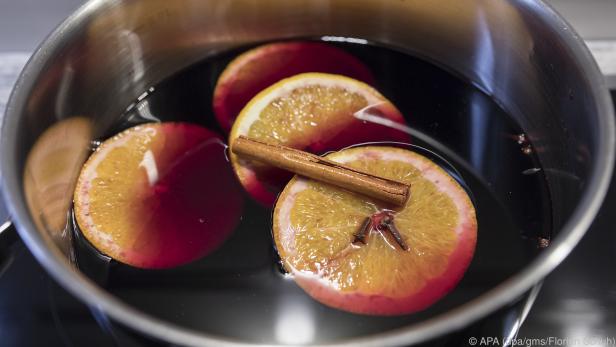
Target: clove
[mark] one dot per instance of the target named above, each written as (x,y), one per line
(388,222)
(361,235)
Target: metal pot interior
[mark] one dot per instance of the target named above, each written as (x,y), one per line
(103,58)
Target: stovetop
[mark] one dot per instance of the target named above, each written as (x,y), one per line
(577,301)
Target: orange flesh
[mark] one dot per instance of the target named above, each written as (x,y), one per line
(110,204)
(299,118)
(324,220)
(314,112)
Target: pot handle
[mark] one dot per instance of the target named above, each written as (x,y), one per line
(8,237)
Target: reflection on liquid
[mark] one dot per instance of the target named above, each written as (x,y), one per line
(344,39)
(51,172)
(478,127)
(149,165)
(145,112)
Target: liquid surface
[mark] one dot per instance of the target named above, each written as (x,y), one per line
(239,292)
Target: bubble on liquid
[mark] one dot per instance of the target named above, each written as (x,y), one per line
(521,138)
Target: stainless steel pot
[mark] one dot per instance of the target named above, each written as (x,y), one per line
(109,52)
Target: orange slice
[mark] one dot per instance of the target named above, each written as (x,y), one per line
(158,195)
(251,72)
(315,226)
(315,112)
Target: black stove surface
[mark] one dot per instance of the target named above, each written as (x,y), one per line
(35,311)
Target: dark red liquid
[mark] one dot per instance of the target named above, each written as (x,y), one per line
(238,291)
(195,205)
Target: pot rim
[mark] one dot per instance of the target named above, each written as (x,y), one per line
(83,288)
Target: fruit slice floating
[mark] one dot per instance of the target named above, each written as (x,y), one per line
(316,232)
(158,195)
(260,67)
(315,112)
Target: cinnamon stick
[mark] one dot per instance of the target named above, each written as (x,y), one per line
(321,169)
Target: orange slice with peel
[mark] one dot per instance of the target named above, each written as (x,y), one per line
(260,67)
(314,112)
(315,226)
(158,195)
